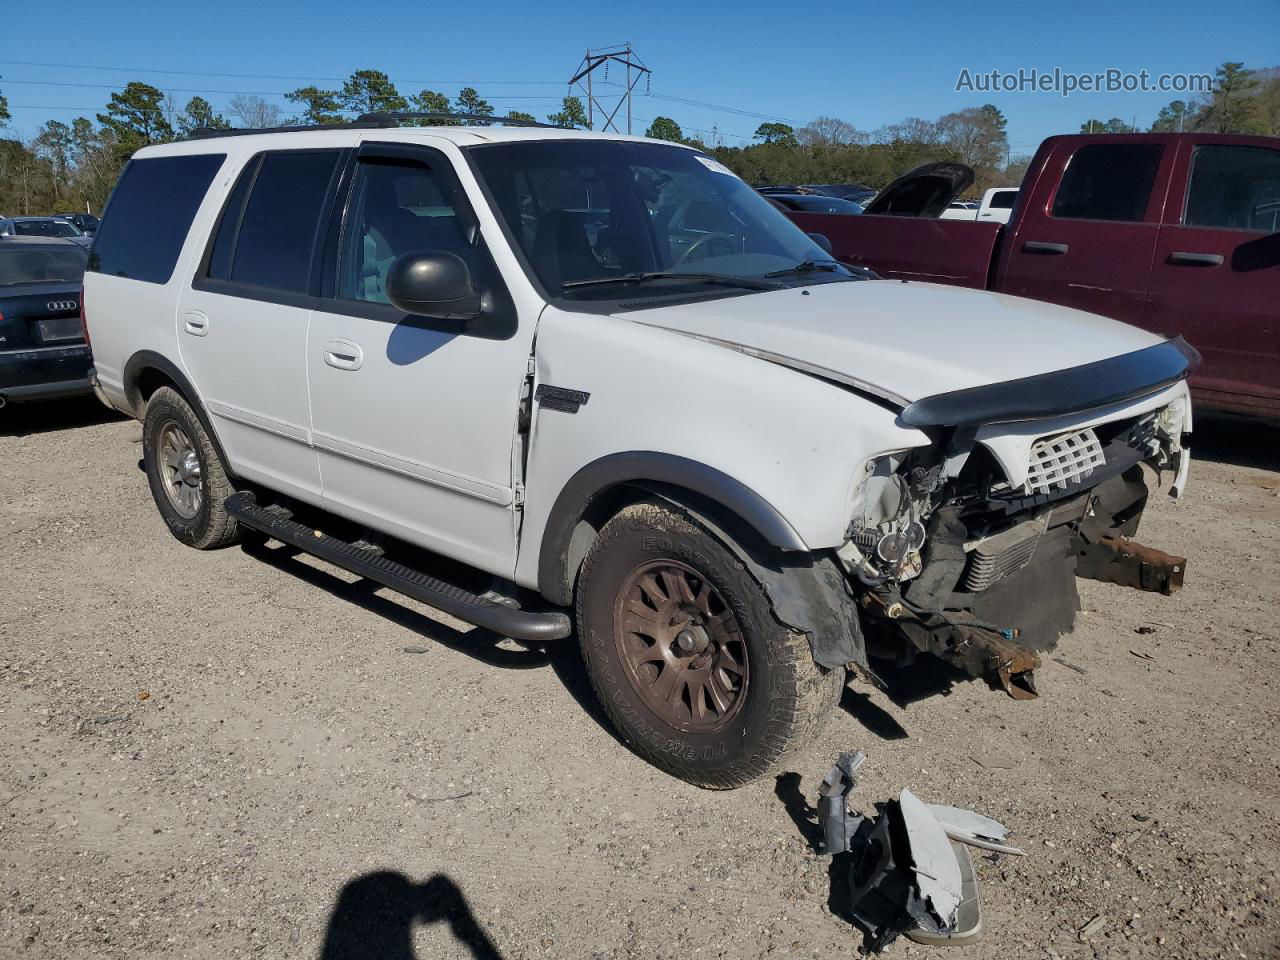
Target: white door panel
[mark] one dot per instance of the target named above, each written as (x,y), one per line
(248,359)
(419,437)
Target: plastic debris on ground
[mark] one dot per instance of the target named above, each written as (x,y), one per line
(910,872)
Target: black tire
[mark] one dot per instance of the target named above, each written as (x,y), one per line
(209,526)
(778,708)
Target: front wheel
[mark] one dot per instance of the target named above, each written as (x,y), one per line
(686,656)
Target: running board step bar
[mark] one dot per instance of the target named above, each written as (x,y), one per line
(513,622)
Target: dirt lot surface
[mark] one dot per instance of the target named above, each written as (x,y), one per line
(224,754)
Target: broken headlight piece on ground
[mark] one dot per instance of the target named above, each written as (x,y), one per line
(909,872)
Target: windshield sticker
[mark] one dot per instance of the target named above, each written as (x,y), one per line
(715,166)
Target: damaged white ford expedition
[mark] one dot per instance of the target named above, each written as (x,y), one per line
(543,379)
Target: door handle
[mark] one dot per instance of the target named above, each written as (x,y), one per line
(1196,259)
(195,323)
(1042,246)
(343,354)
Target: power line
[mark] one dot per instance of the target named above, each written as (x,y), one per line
(256,93)
(259,76)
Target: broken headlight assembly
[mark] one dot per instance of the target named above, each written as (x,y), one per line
(889,512)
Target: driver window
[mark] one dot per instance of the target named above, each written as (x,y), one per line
(395,209)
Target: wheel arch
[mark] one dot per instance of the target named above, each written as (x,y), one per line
(148,371)
(603,487)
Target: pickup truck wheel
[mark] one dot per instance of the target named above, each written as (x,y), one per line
(187,477)
(686,656)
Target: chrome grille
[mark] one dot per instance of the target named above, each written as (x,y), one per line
(1058,461)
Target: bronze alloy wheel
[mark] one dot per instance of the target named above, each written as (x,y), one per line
(682,646)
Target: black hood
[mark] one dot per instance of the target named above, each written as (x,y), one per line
(924,192)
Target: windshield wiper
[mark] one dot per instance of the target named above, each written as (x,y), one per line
(807,266)
(746,283)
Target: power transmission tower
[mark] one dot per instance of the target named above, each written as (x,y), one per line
(584,76)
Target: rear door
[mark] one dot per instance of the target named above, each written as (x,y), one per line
(1087,232)
(242,325)
(1216,278)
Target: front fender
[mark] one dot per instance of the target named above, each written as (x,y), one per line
(776,447)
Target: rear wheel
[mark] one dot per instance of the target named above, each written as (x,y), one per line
(686,656)
(187,477)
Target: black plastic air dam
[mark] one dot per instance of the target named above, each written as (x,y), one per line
(1060,392)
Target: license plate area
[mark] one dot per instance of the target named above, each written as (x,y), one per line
(58,329)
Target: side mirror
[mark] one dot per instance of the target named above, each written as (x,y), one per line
(432,283)
(821,240)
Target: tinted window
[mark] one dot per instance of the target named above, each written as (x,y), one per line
(1108,181)
(1003,200)
(277,228)
(1234,187)
(150,212)
(395,209)
(224,242)
(32,264)
(45,228)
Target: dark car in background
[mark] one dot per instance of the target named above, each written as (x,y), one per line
(813,203)
(43,227)
(87,222)
(43,352)
(857,192)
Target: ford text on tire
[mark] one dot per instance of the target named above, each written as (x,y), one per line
(607,374)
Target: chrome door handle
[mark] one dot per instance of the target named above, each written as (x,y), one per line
(195,323)
(1041,246)
(1196,259)
(343,354)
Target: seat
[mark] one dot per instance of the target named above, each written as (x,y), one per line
(561,251)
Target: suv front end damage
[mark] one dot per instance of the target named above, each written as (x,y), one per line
(968,550)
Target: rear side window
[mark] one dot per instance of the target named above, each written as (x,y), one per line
(1234,187)
(1108,181)
(150,212)
(268,229)
(1003,200)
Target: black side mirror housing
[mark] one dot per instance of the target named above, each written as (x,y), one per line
(433,283)
(821,240)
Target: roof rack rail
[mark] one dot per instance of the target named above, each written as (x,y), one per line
(204,133)
(368,121)
(392,117)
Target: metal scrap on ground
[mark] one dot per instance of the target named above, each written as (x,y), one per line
(909,873)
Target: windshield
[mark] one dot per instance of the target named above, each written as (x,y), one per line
(604,210)
(45,228)
(32,264)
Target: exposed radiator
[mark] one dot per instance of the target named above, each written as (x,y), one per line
(1005,553)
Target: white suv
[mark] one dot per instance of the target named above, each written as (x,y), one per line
(603,372)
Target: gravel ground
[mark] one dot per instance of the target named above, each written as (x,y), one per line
(228,754)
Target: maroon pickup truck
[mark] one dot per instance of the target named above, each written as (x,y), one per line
(1176,233)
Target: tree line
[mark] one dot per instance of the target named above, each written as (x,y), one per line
(72,166)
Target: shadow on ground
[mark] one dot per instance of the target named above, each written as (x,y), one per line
(489,648)
(25,419)
(375,915)
(1237,440)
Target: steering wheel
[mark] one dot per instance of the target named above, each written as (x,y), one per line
(727,238)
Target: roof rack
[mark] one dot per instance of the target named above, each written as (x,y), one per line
(390,118)
(370,121)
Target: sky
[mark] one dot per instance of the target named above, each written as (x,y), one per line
(744,63)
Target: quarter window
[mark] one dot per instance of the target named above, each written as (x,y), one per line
(268,229)
(1108,181)
(1234,187)
(150,212)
